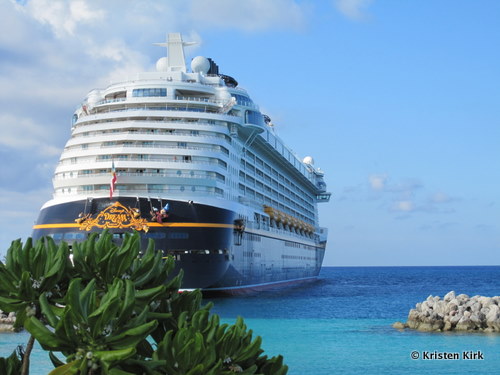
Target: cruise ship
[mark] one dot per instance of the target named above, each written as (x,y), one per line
(186,158)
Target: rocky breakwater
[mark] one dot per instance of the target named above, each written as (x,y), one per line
(455,313)
(7,322)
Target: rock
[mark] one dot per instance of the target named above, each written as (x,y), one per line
(441,308)
(413,324)
(493,312)
(485,301)
(447,326)
(455,312)
(478,322)
(465,324)
(426,306)
(455,319)
(413,314)
(449,296)
(430,325)
(7,327)
(7,322)
(399,325)
(452,307)
(476,307)
(485,310)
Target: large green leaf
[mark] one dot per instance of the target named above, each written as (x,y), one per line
(47,339)
(70,368)
(131,337)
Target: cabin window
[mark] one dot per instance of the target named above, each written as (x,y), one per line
(242,100)
(138,93)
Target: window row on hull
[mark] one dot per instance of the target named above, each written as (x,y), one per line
(140,172)
(171,94)
(142,189)
(147,120)
(117,133)
(187,107)
(143,158)
(267,182)
(278,200)
(78,150)
(269,186)
(255,166)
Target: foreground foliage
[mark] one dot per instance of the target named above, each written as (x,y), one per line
(12,365)
(111,310)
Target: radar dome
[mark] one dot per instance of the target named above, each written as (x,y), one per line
(308,160)
(223,95)
(200,64)
(93,97)
(162,64)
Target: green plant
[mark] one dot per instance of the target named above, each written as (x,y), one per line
(112,310)
(12,364)
(29,272)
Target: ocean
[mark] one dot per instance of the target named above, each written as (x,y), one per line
(341,323)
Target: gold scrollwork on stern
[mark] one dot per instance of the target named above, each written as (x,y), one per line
(116,216)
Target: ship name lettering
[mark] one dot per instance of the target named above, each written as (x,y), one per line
(114,217)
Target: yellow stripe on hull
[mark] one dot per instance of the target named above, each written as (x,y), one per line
(184,225)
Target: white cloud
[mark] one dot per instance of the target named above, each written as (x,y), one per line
(407,196)
(440,197)
(78,18)
(382,183)
(353,9)
(65,17)
(248,15)
(19,211)
(404,206)
(25,135)
(378,182)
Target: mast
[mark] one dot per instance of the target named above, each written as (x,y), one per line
(175,47)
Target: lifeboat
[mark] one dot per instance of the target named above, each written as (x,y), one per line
(286,219)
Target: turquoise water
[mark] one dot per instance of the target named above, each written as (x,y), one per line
(342,323)
(369,346)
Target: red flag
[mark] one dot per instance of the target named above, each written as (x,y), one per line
(112,183)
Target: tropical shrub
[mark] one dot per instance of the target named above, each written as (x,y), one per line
(12,365)
(111,309)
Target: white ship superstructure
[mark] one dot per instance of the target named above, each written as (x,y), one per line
(199,169)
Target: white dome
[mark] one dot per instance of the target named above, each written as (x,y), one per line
(200,64)
(162,64)
(223,95)
(308,160)
(93,97)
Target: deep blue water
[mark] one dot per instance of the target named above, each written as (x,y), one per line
(342,322)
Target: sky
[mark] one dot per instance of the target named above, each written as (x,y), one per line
(398,102)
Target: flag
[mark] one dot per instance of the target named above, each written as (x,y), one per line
(112,183)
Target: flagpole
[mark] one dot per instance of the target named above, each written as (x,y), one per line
(112,183)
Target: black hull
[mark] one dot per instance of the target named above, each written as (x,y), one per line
(203,239)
